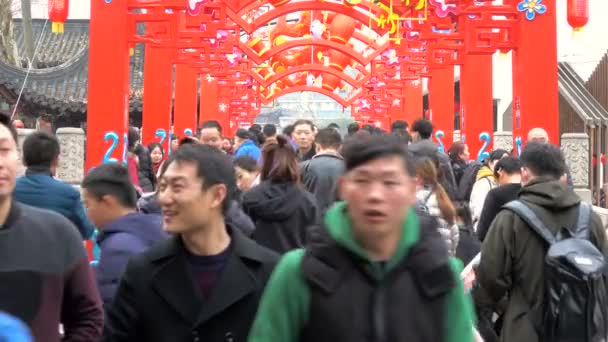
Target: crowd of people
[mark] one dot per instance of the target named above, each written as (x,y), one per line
(307,235)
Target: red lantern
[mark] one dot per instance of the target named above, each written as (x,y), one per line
(578,13)
(338,60)
(341,28)
(330,82)
(58,14)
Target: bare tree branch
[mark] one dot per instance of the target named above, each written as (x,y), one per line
(8,48)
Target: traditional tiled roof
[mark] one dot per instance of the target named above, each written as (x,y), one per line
(60,82)
(572,87)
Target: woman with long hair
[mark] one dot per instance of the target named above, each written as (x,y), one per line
(433,199)
(157,156)
(279,206)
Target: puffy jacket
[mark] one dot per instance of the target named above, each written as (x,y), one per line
(119,240)
(248,148)
(485,182)
(282,214)
(145,172)
(450,233)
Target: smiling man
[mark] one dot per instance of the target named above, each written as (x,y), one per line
(375,271)
(204,283)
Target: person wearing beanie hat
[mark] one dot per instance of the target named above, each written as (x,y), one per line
(245,146)
(13,330)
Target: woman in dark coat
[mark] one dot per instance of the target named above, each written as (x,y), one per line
(145,174)
(279,206)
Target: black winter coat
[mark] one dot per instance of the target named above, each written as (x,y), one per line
(145,172)
(282,213)
(157,300)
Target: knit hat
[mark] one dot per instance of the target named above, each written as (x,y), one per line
(13,330)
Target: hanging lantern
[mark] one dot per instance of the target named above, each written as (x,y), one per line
(58,14)
(277,3)
(341,28)
(578,14)
(258,45)
(338,60)
(330,82)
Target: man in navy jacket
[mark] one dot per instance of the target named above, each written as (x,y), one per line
(40,189)
(111,203)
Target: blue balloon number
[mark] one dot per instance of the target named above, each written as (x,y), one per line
(188,132)
(485,137)
(162,134)
(113,137)
(438,136)
(518,143)
(110,136)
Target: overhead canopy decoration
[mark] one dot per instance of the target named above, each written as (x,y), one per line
(230,57)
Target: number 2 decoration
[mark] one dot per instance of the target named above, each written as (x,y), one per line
(162,134)
(439,135)
(485,137)
(518,145)
(113,137)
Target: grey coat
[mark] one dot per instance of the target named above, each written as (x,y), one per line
(320,175)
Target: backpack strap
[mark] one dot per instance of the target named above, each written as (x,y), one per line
(584,221)
(525,213)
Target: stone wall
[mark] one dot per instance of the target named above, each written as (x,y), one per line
(71,160)
(575,147)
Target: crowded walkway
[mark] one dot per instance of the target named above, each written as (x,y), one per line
(313,236)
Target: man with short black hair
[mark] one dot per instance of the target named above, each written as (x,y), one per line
(399,128)
(423,147)
(320,174)
(372,257)
(304,137)
(205,282)
(270,131)
(111,202)
(352,128)
(513,254)
(211,134)
(45,276)
(40,189)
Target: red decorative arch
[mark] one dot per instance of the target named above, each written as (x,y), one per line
(332,95)
(345,49)
(300,6)
(312,67)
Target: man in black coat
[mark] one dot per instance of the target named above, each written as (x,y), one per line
(204,284)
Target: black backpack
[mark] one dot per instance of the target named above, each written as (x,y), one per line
(575,297)
(469,176)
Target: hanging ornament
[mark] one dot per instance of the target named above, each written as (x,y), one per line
(58,14)
(578,14)
(317,29)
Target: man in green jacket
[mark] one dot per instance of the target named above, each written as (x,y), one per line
(374,271)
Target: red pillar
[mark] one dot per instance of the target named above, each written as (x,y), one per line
(476,104)
(108,83)
(441,104)
(209,100)
(535,90)
(186,101)
(158,94)
(413,100)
